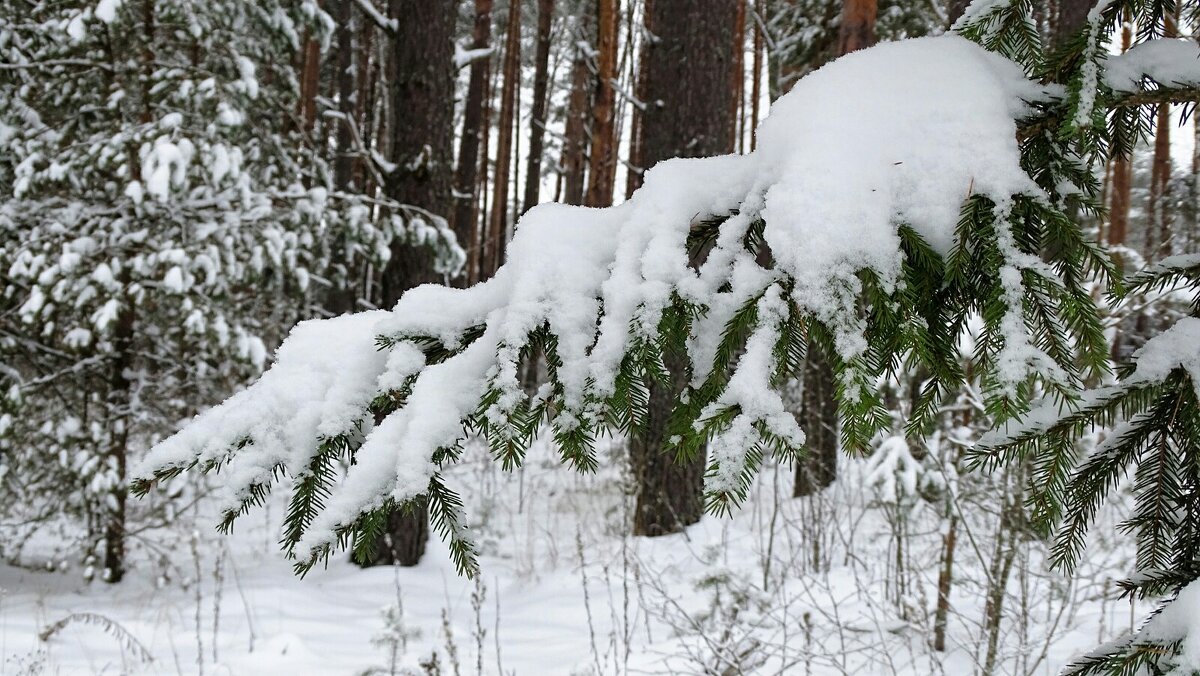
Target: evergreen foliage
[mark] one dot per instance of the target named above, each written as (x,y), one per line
(164,213)
(1018,279)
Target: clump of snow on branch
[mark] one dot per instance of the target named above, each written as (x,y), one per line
(1168,62)
(896,135)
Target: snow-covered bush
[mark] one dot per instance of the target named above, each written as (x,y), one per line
(161,218)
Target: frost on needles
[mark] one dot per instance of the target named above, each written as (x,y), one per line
(890,193)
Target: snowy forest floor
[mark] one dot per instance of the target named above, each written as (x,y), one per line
(788,586)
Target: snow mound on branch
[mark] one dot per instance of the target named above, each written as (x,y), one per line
(898,134)
(1177,347)
(323,379)
(1179,621)
(901,133)
(1167,61)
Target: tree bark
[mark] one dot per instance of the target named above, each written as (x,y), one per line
(421,136)
(737,79)
(1072,15)
(955,11)
(578,128)
(1122,181)
(857,29)
(493,246)
(116,455)
(602,164)
(945,580)
(637,164)
(537,114)
(819,418)
(341,295)
(466,194)
(1158,220)
(756,75)
(688,70)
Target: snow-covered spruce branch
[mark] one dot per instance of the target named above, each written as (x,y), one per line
(875,259)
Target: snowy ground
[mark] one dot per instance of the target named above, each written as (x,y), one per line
(787,586)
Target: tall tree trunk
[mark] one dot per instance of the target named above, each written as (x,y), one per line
(955,11)
(945,580)
(422,94)
(537,115)
(602,164)
(116,458)
(637,164)
(1158,221)
(1122,181)
(310,80)
(1072,15)
(737,79)
(577,139)
(498,219)
(756,75)
(466,193)
(341,295)
(857,29)
(688,70)
(819,416)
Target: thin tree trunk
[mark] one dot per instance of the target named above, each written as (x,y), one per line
(737,78)
(310,79)
(688,69)
(945,580)
(494,243)
(756,85)
(637,164)
(578,129)
(119,399)
(1122,181)
(603,160)
(537,114)
(466,192)
(819,418)
(1158,221)
(341,295)
(857,28)
(422,94)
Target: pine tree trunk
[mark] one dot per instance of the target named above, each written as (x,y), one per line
(341,295)
(422,94)
(737,79)
(1122,181)
(116,459)
(819,419)
(688,69)
(1158,221)
(857,28)
(633,176)
(945,580)
(576,143)
(1072,15)
(310,80)
(602,163)
(497,221)
(537,115)
(756,75)
(466,194)
(955,11)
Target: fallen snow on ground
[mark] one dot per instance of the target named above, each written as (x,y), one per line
(565,592)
